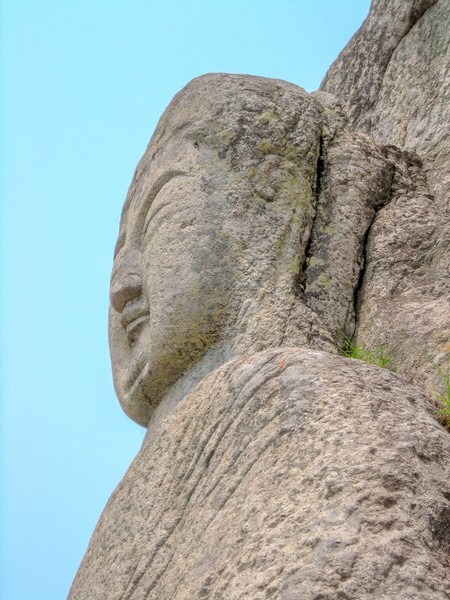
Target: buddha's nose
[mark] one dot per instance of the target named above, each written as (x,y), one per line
(126,279)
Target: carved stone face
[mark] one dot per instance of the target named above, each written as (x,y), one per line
(212,228)
(170,280)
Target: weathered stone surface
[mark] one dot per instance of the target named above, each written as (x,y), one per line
(255,198)
(392,33)
(288,474)
(403,299)
(259,208)
(263,225)
(394,80)
(227,186)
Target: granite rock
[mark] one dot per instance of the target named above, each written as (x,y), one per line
(256,198)
(262,228)
(393,79)
(289,474)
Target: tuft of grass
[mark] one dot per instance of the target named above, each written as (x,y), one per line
(443,397)
(379,355)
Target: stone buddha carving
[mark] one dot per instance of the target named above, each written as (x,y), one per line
(272,467)
(214,256)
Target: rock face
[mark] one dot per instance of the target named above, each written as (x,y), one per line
(288,474)
(394,81)
(263,227)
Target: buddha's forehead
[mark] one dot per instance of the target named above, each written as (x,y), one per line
(216,101)
(230,117)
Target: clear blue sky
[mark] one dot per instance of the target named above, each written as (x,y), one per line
(83,83)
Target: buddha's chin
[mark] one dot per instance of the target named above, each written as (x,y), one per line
(135,375)
(135,404)
(132,397)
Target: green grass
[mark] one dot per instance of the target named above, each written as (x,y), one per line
(379,355)
(443,397)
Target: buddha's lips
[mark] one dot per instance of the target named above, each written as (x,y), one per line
(133,328)
(133,317)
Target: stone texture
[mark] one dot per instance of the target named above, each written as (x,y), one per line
(242,180)
(260,209)
(288,474)
(228,185)
(393,79)
(404,301)
(262,227)
(357,76)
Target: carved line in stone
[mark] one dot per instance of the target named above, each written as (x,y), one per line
(247,396)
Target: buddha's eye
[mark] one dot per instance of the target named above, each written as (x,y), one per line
(149,208)
(151,215)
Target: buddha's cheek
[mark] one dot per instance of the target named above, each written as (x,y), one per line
(188,308)
(185,273)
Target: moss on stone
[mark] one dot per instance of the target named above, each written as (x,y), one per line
(315,261)
(323,281)
(265,146)
(184,348)
(267,117)
(328,229)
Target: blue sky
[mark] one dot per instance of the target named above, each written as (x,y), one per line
(82,86)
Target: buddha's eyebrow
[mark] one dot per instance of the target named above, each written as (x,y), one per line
(154,191)
(160,183)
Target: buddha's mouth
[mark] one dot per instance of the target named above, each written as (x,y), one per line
(133,329)
(133,317)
